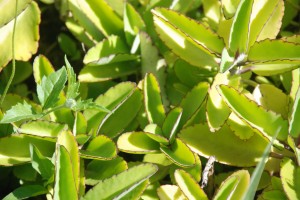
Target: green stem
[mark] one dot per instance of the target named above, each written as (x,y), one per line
(13,70)
(54,109)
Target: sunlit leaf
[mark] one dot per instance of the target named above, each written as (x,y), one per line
(26,191)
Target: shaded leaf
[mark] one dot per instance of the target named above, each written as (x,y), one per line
(25,192)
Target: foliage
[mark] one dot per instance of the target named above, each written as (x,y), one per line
(169,94)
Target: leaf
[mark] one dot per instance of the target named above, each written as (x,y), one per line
(294,127)
(65,185)
(121,184)
(153,102)
(171,123)
(41,164)
(73,85)
(84,104)
(50,87)
(179,153)
(26,32)
(137,143)
(109,46)
(176,32)
(239,33)
(26,191)
(42,128)
(296,150)
(19,112)
(107,68)
(170,192)
(229,7)
(224,145)
(101,148)
(120,117)
(14,149)
(234,186)
(240,128)
(290,176)
(189,185)
(265,121)
(98,170)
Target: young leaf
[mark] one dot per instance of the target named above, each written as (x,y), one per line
(41,164)
(153,102)
(26,191)
(121,184)
(290,176)
(65,186)
(50,87)
(234,186)
(239,33)
(266,122)
(19,112)
(73,85)
(189,186)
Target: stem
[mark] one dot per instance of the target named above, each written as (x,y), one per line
(13,70)
(54,109)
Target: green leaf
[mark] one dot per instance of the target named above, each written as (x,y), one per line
(133,23)
(290,176)
(179,153)
(266,122)
(239,33)
(40,163)
(107,68)
(137,143)
(73,85)
(153,102)
(42,128)
(98,170)
(122,115)
(181,35)
(14,149)
(170,192)
(65,184)
(41,67)
(50,87)
(109,46)
(19,112)
(229,7)
(26,32)
(294,128)
(84,104)
(171,123)
(240,128)
(25,192)
(69,46)
(189,185)
(224,145)
(296,150)
(234,186)
(101,148)
(215,103)
(121,184)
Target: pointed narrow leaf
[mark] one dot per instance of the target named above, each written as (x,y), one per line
(65,185)
(73,85)
(123,183)
(294,128)
(266,122)
(224,145)
(234,186)
(181,43)
(179,153)
(153,102)
(137,142)
(101,147)
(290,176)
(171,123)
(189,186)
(239,33)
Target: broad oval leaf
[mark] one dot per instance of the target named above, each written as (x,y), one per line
(14,149)
(153,102)
(65,185)
(100,148)
(224,145)
(181,39)
(42,128)
(290,176)
(137,142)
(26,32)
(234,186)
(179,153)
(121,184)
(266,122)
(26,191)
(189,185)
(41,67)
(240,127)
(170,192)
